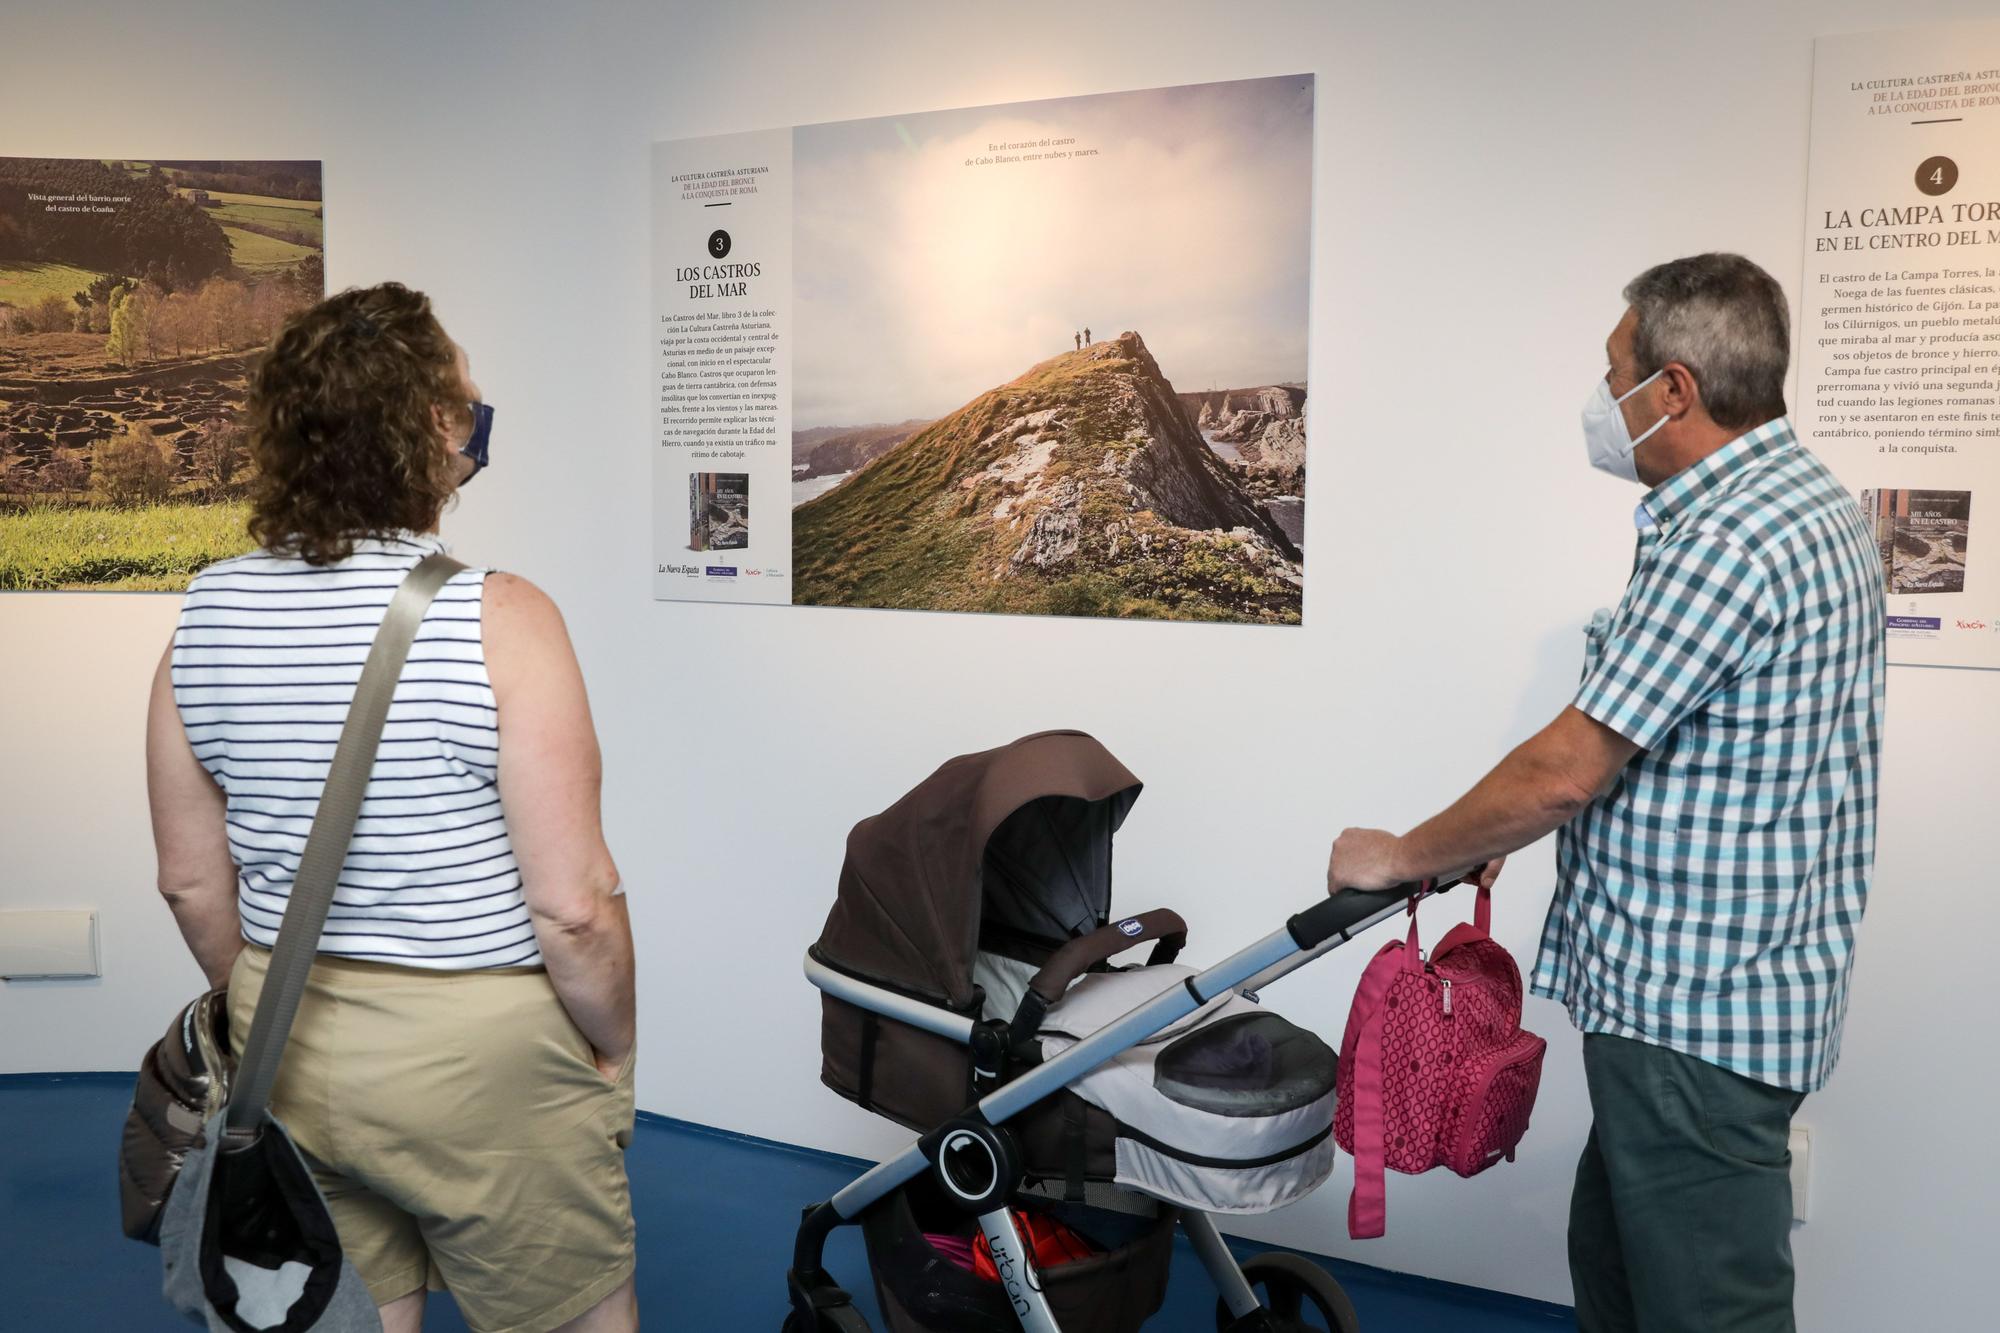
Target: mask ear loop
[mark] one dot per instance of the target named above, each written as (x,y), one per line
(1620,399)
(1640,385)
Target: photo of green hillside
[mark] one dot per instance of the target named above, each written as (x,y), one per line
(1080,488)
(968,431)
(133,297)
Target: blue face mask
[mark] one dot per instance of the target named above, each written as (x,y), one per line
(482,434)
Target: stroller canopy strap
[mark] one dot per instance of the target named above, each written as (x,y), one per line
(1019,835)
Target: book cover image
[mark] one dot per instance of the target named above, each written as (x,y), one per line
(1922,537)
(718,511)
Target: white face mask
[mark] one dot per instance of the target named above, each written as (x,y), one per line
(1605,435)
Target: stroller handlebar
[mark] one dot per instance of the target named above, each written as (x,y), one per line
(1340,911)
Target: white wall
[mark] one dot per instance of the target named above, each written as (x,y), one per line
(1489,176)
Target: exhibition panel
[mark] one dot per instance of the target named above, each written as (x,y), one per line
(887,377)
(1899,319)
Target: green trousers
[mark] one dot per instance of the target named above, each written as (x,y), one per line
(1681,1220)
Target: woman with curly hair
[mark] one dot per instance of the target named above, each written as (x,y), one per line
(460,1070)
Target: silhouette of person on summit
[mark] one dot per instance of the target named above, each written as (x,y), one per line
(1087,339)
(1079,342)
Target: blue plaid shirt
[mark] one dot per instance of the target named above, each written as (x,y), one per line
(1708,902)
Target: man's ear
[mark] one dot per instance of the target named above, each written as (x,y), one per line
(1679,392)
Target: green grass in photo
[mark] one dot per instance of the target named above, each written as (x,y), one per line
(300,220)
(25,281)
(152,547)
(252,251)
(261,200)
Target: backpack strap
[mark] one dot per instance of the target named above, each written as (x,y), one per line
(1368,1206)
(1480,927)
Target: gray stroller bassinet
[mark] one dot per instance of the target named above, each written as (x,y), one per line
(969,995)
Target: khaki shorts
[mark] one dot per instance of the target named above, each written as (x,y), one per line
(461,1132)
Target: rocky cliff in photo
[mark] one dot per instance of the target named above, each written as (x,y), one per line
(1082,487)
(829,451)
(1265,427)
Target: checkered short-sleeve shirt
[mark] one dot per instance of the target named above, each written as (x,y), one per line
(1708,902)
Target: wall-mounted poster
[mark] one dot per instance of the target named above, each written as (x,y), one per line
(133,295)
(1899,320)
(1046,358)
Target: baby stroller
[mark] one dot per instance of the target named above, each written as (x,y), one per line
(968,996)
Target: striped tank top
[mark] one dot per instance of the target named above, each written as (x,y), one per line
(265,662)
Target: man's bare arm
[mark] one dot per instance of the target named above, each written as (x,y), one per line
(1543,784)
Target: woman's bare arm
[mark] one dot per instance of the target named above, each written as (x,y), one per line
(551,775)
(197,875)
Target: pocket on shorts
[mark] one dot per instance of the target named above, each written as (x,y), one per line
(624,1103)
(563,1032)
(586,1056)
(614,1094)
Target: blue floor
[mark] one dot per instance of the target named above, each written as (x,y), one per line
(716,1214)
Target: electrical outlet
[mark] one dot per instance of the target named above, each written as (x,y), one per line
(1801,1171)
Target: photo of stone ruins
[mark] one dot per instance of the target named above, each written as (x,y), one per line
(133,298)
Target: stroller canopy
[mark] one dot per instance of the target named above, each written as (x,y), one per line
(1018,836)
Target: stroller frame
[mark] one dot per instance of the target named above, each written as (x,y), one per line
(819,1303)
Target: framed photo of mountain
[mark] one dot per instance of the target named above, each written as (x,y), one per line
(133,297)
(1043,358)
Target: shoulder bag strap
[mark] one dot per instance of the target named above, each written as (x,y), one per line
(326,847)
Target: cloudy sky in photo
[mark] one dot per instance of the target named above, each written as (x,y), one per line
(920,282)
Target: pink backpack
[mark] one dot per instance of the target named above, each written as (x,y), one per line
(1434,1069)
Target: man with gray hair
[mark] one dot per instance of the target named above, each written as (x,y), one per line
(1712,788)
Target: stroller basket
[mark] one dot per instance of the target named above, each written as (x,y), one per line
(920,1289)
(968,994)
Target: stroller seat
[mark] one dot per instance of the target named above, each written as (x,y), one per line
(1229,1110)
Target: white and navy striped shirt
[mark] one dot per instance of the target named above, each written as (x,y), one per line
(265,662)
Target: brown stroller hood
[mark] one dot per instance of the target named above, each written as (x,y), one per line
(1018,836)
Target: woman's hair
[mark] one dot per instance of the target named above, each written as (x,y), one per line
(341,425)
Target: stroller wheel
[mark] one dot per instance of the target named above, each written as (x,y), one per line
(1294,1291)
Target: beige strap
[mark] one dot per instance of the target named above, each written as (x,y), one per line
(326,846)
